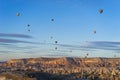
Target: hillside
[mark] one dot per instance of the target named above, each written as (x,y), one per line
(65,68)
(66,62)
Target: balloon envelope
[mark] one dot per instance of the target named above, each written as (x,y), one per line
(55,48)
(94,32)
(28,25)
(101,11)
(56,42)
(29,30)
(51,37)
(17,14)
(52,19)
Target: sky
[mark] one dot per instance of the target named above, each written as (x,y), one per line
(73,28)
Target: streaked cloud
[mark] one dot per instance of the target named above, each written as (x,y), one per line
(63,49)
(5,52)
(55,54)
(15,35)
(105,45)
(94,45)
(3,40)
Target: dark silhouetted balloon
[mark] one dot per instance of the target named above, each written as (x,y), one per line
(87,54)
(101,11)
(56,42)
(17,14)
(51,37)
(52,19)
(28,25)
(94,31)
(56,48)
(29,30)
(70,50)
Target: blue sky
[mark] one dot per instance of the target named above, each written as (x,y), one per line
(73,26)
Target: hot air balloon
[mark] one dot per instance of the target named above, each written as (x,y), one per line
(51,37)
(101,11)
(28,25)
(87,54)
(29,30)
(17,14)
(52,19)
(55,48)
(56,42)
(94,31)
(70,50)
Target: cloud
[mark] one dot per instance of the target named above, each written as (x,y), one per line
(15,35)
(2,40)
(60,50)
(5,44)
(106,45)
(94,45)
(56,54)
(5,52)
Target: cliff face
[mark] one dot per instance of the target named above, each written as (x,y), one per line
(65,61)
(100,68)
(15,61)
